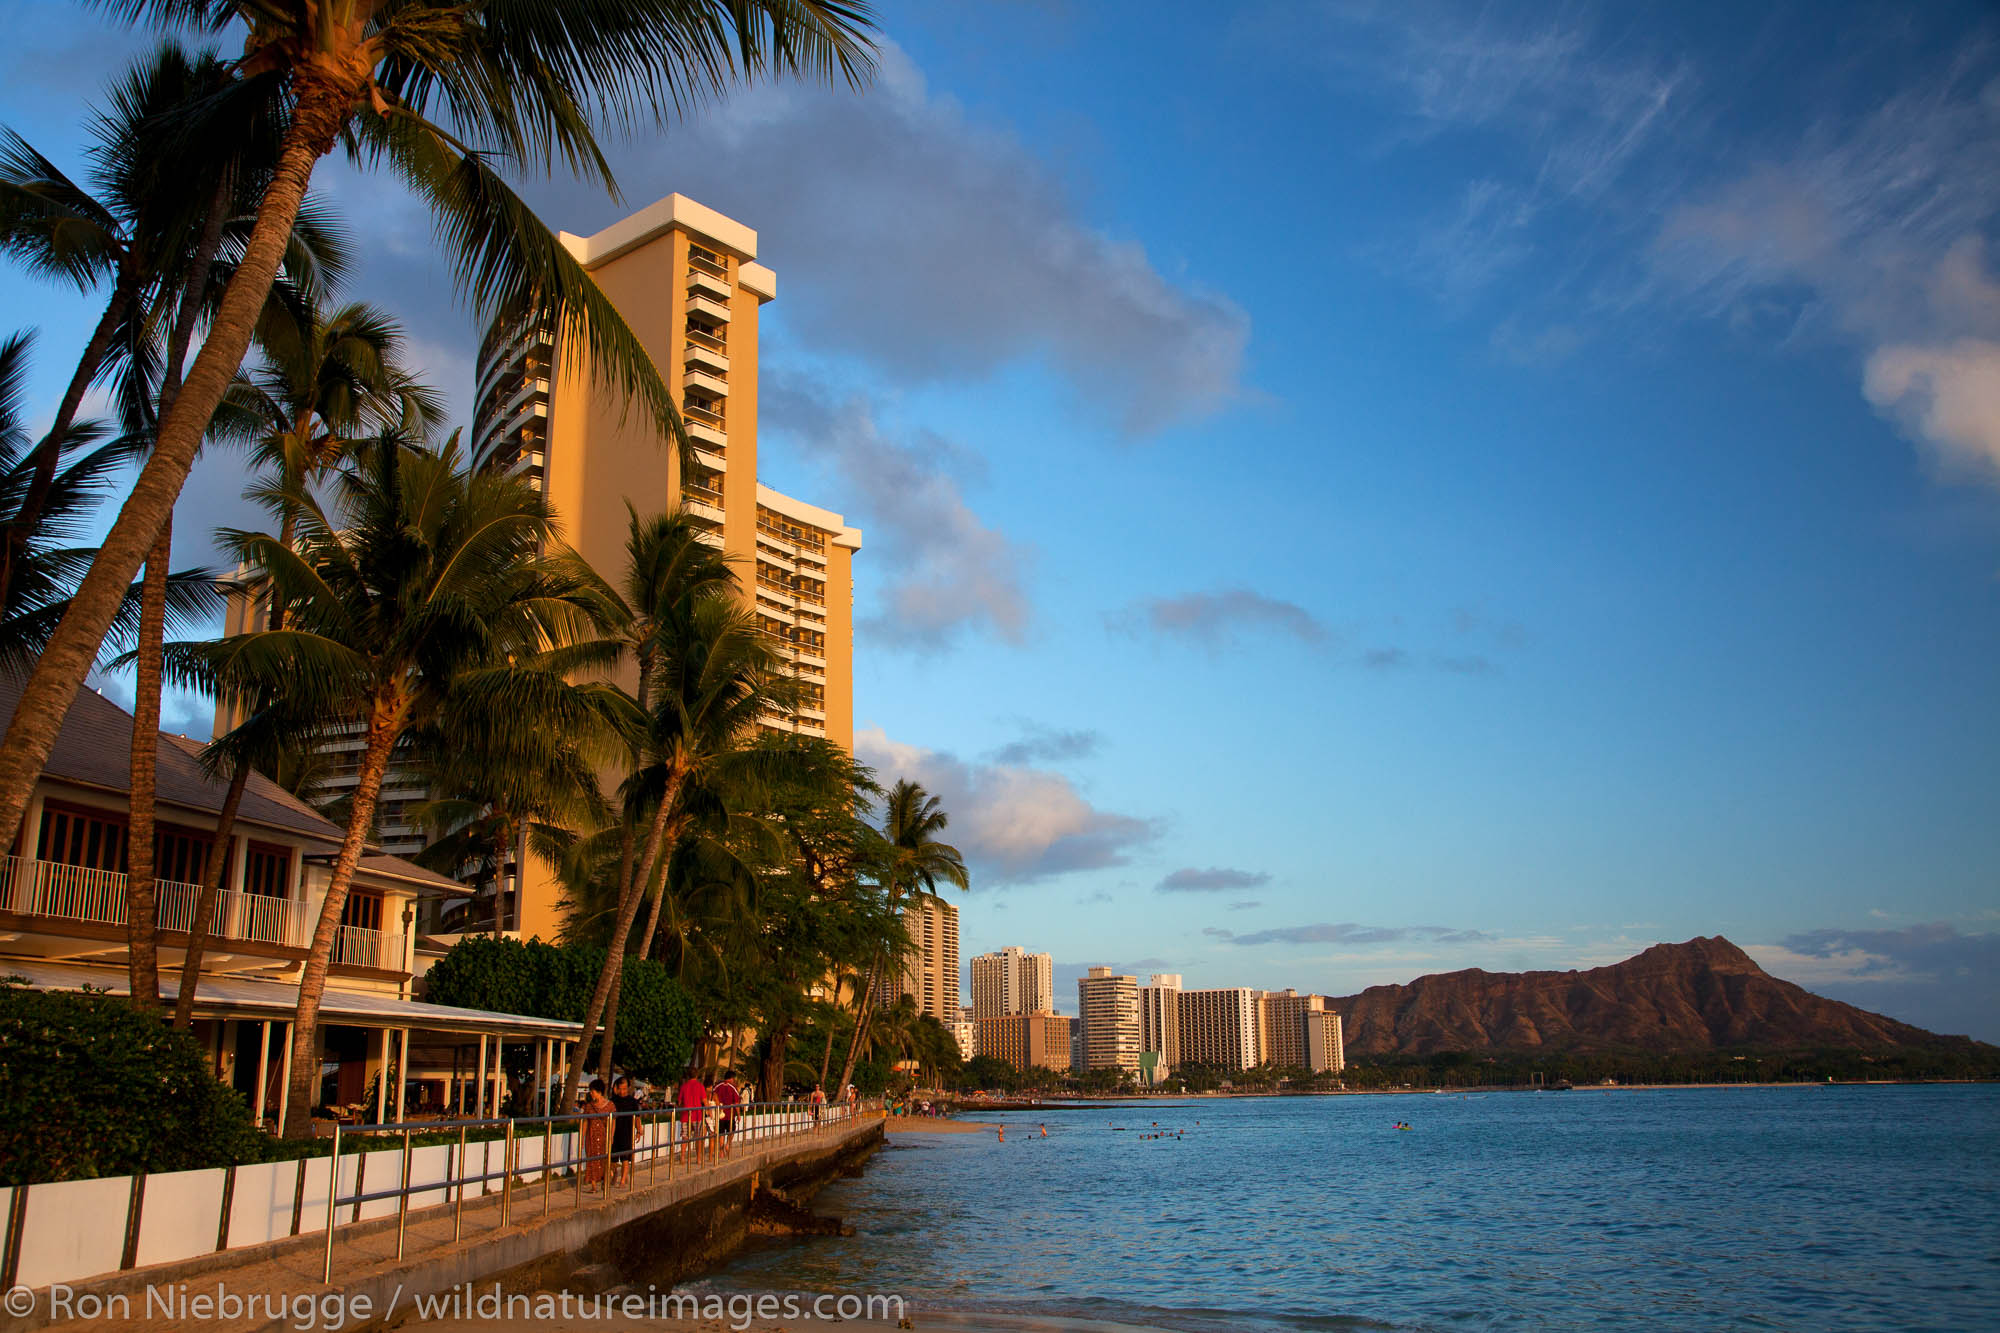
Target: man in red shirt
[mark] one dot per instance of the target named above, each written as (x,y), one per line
(693,1100)
(727,1098)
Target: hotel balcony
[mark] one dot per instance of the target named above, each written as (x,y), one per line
(707,284)
(707,383)
(697,357)
(529,462)
(702,433)
(712,462)
(702,504)
(709,307)
(87,908)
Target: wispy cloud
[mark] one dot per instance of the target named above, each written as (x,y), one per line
(1040,745)
(929,242)
(1014,823)
(1217,619)
(1215,879)
(952,571)
(1351,933)
(1932,975)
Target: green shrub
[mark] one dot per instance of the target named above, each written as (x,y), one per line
(656,1020)
(90,1086)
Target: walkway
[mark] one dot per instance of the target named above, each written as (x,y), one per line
(544,1225)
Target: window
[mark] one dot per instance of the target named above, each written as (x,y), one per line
(181,855)
(362,910)
(268,871)
(77,837)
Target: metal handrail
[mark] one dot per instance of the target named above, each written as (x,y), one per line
(694,1139)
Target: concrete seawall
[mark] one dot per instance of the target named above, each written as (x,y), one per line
(660,1232)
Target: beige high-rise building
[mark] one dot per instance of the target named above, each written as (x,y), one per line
(1026,1041)
(1108,1020)
(1012,981)
(1326,1053)
(930,970)
(1220,1027)
(1160,1018)
(1283,1021)
(687,282)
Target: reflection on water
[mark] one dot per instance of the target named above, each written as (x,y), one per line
(1822,1208)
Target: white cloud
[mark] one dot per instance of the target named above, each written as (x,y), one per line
(1947,396)
(948,570)
(934,245)
(1013,822)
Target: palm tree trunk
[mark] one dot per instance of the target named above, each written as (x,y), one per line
(629,896)
(214,871)
(49,452)
(141,887)
(867,1012)
(384,725)
(153,604)
(322,107)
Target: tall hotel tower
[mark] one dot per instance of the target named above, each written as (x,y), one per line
(686,279)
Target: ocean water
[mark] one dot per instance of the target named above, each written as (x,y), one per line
(1787,1208)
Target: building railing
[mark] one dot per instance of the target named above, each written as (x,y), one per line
(715,268)
(261,917)
(600,1154)
(357,946)
(81,893)
(703,415)
(708,340)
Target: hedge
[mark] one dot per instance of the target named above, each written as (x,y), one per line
(656,1019)
(90,1086)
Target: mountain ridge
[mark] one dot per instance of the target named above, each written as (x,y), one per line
(1702,994)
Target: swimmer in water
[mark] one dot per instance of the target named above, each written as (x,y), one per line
(1045,1131)
(1003,1134)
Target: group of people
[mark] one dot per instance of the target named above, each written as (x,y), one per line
(705,1107)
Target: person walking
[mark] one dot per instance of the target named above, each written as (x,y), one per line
(596,1110)
(693,1101)
(624,1128)
(816,1101)
(727,1097)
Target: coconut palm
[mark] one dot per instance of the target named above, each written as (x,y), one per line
(323,380)
(153,232)
(916,863)
(415,590)
(527,81)
(714,675)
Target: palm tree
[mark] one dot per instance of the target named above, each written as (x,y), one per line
(917,863)
(530,81)
(501,785)
(45,569)
(131,234)
(323,380)
(419,588)
(714,675)
(154,230)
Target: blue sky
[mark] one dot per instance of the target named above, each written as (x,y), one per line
(1354,491)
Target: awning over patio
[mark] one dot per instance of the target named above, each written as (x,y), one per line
(246,998)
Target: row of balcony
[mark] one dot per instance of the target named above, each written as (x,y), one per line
(50,889)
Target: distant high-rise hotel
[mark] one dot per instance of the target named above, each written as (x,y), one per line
(1160,1019)
(687,282)
(1026,1041)
(1012,981)
(929,973)
(1107,1020)
(1220,1027)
